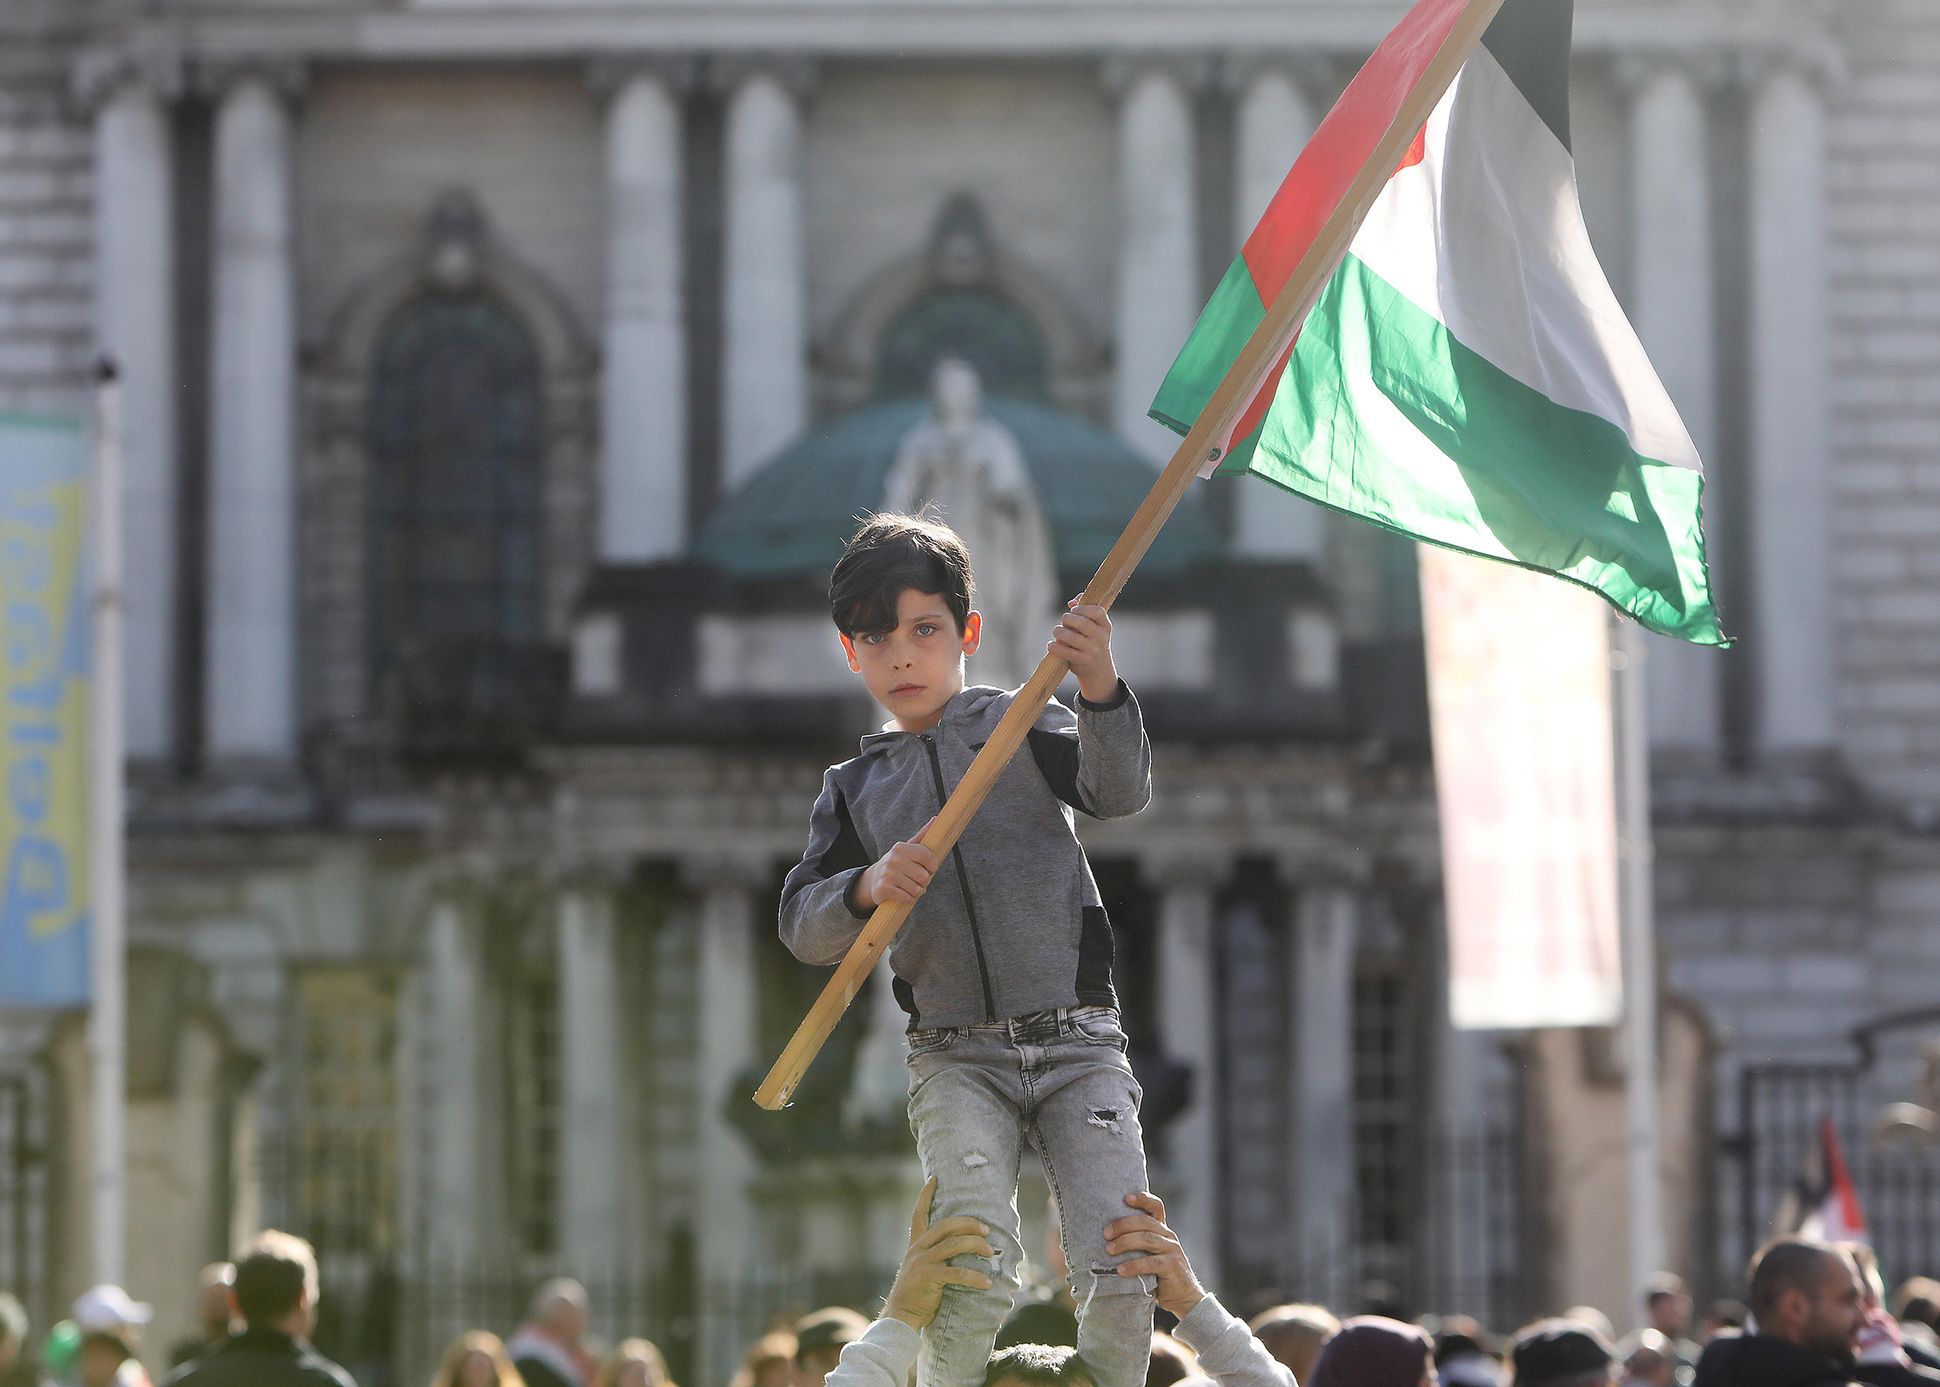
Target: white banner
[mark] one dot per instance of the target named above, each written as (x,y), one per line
(1519,700)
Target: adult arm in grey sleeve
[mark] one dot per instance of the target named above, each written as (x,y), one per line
(1230,1353)
(882,1357)
(819,920)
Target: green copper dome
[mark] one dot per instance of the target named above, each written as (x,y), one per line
(792,516)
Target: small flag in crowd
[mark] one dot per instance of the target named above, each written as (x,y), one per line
(1824,1203)
(1467,377)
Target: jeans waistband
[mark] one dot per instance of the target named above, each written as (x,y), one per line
(1038,1025)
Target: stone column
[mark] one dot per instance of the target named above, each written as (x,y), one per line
(457,1131)
(1275,119)
(1673,305)
(596,1212)
(250,678)
(1322,1141)
(1790,431)
(643,388)
(1189,1030)
(1158,259)
(134,326)
(728,984)
(765,332)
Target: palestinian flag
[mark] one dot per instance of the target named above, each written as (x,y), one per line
(1824,1202)
(1467,377)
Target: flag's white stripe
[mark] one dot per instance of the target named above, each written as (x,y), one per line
(1487,235)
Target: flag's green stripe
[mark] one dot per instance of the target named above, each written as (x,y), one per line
(1384,415)
(1228,320)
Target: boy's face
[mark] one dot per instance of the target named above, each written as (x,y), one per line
(918,667)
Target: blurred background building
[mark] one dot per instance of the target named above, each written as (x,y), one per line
(501,379)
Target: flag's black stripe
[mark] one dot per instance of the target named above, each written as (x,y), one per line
(1530,40)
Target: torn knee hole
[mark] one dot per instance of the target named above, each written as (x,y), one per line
(1107,1118)
(975,1160)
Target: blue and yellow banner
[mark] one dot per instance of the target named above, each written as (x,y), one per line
(44,905)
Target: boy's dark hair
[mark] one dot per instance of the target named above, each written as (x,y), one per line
(890,554)
(1038,1322)
(272,1275)
(1046,1365)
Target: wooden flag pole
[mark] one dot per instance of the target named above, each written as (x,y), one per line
(1204,444)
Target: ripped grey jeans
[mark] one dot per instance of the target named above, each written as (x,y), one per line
(1059,1081)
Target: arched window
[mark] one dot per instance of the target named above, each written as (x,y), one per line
(989,332)
(455,521)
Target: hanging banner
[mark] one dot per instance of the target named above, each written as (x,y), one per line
(44,908)
(1519,701)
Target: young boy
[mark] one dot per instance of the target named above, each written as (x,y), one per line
(1004,963)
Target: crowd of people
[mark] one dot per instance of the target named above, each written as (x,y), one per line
(1816,1314)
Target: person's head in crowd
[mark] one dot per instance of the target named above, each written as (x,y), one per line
(635,1363)
(276,1284)
(560,1307)
(769,1362)
(1593,1318)
(1667,1305)
(1038,1365)
(109,1324)
(819,1339)
(1038,1322)
(1464,1355)
(476,1359)
(1563,1352)
(1380,1300)
(1375,1351)
(13,1331)
(103,1351)
(1808,1293)
(215,1301)
(1917,1301)
(109,1310)
(1723,1317)
(1916,1305)
(1172,1362)
(1649,1359)
(1295,1334)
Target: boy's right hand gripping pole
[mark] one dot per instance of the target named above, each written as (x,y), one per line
(1205,444)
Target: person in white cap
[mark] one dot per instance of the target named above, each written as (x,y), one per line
(111,1309)
(110,1322)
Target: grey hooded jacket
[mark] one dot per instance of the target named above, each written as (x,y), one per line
(1011,922)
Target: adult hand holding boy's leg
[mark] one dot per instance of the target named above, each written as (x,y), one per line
(1083,641)
(901,874)
(1163,1256)
(926,1268)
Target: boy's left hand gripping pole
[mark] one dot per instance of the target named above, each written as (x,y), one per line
(860,961)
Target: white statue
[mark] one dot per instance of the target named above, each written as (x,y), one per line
(970,469)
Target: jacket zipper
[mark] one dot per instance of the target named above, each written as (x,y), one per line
(963,883)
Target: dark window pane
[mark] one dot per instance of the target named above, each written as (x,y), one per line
(454,512)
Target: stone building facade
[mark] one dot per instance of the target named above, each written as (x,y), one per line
(473,714)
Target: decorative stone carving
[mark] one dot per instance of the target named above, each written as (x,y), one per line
(961,252)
